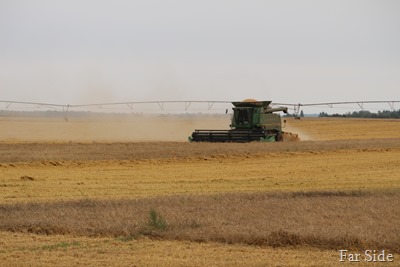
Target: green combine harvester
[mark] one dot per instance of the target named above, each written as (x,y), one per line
(251,121)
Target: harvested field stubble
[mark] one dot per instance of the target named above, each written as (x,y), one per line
(28,152)
(355,169)
(327,220)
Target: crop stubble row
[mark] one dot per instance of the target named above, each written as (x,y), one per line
(354,169)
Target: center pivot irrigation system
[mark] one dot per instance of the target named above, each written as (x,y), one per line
(186,105)
(251,120)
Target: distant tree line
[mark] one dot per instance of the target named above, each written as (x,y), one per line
(385,114)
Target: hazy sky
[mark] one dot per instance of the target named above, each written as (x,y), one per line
(286,51)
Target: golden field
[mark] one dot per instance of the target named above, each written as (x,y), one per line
(80,193)
(346,128)
(152,128)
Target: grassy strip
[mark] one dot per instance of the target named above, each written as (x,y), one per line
(322,219)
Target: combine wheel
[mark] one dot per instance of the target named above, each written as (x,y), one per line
(278,137)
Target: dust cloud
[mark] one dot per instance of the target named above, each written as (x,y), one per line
(99,127)
(127,128)
(295,130)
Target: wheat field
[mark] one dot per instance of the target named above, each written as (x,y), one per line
(85,196)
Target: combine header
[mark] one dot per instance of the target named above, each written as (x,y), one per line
(251,121)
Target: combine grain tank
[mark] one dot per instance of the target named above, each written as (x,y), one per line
(251,121)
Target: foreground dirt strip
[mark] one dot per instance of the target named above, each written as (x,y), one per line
(292,171)
(35,250)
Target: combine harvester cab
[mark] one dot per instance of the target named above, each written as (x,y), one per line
(251,121)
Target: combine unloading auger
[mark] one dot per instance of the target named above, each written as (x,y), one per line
(251,121)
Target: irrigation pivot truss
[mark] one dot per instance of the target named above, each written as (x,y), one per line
(65,108)
(160,104)
(210,104)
